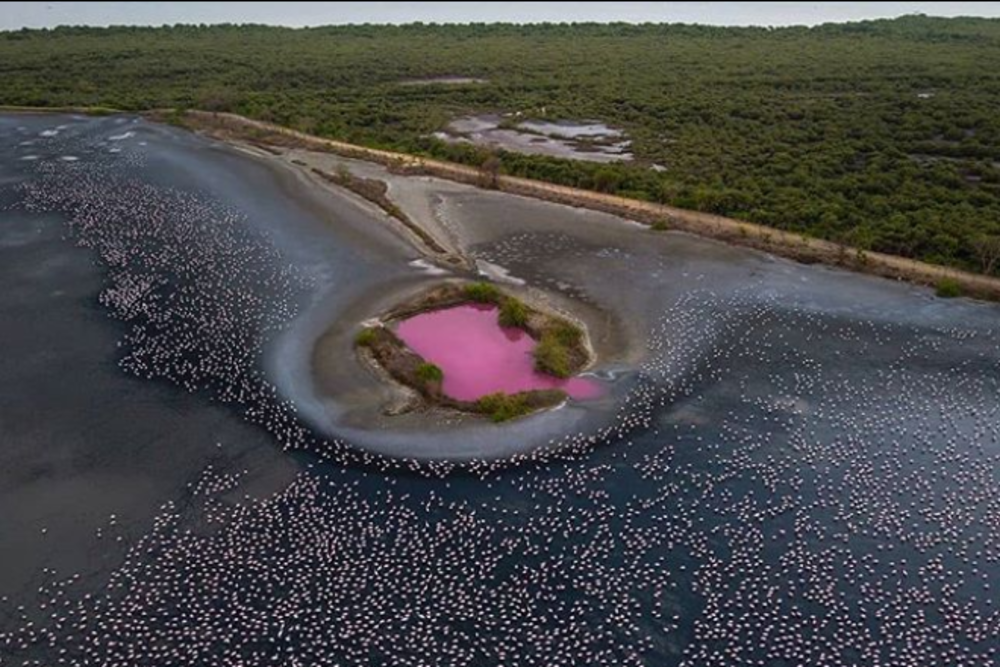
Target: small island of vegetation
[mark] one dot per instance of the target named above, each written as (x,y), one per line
(561,350)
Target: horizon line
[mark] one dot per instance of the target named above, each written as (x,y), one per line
(405,24)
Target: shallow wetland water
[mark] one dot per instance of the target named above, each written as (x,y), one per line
(791,464)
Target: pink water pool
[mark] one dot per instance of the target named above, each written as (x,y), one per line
(479,357)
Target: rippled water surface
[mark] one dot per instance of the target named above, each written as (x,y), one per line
(793,465)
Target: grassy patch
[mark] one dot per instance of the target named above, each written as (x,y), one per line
(513,313)
(501,407)
(567,334)
(365,337)
(429,373)
(483,292)
(557,348)
(660,226)
(949,288)
(552,356)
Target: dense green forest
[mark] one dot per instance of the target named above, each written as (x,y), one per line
(880,134)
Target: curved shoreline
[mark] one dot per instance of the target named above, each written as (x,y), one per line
(228,127)
(800,248)
(790,245)
(598,285)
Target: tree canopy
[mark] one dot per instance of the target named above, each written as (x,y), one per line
(881,134)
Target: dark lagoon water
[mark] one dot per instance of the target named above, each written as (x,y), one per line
(796,466)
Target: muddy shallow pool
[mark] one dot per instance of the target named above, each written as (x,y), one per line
(590,141)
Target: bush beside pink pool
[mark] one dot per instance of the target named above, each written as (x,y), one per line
(479,357)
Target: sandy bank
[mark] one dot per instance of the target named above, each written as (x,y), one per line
(236,129)
(785,244)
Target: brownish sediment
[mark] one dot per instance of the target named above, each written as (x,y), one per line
(798,247)
(87,111)
(376,192)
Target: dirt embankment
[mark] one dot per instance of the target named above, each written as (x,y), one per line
(85,111)
(377,192)
(786,244)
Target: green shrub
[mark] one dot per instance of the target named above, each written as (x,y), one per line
(501,407)
(551,356)
(513,313)
(429,373)
(175,117)
(394,211)
(365,337)
(482,292)
(948,288)
(567,334)
(660,226)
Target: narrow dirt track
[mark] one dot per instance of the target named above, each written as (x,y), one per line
(786,244)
